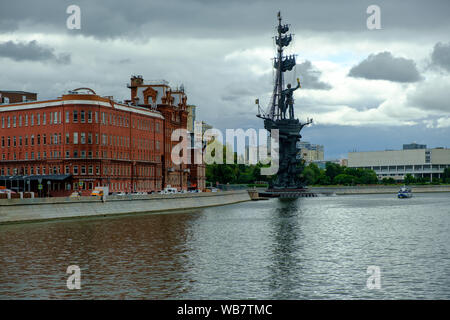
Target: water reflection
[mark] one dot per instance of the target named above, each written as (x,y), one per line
(141,256)
(286,262)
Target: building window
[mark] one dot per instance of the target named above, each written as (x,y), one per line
(67,138)
(96,117)
(67,170)
(56,117)
(75,116)
(67,116)
(26,120)
(32,119)
(9,122)
(75,153)
(67,154)
(83,170)
(83,154)
(83,138)
(38,119)
(89,138)
(14,121)
(75,138)
(89,116)
(90,170)
(20,120)
(75,170)
(44,118)
(82,118)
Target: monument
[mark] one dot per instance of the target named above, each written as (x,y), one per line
(280,115)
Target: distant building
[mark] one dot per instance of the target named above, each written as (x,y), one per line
(396,164)
(414,146)
(309,152)
(7,97)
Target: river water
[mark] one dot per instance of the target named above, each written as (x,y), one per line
(309,248)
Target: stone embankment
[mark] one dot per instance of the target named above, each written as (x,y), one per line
(41,209)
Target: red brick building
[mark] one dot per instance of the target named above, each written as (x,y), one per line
(80,141)
(172,105)
(16,96)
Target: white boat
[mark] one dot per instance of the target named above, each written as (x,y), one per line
(404,192)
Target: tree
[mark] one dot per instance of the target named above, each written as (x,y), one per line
(344,179)
(332,170)
(311,174)
(409,179)
(388,181)
(446,175)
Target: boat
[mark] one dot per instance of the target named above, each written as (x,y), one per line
(404,192)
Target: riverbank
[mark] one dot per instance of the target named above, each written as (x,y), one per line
(343,190)
(41,209)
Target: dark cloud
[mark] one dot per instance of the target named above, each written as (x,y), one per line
(384,66)
(431,96)
(220,18)
(309,77)
(441,55)
(31,51)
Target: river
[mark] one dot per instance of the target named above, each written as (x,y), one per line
(309,248)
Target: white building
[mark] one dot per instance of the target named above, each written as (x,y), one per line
(396,164)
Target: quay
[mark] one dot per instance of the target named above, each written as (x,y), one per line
(343,190)
(42,209)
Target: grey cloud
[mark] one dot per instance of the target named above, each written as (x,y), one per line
(441,55)
(432,95)
(310,77)
(221,18)
(31,51)
(384,66)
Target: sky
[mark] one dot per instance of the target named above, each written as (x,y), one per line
(366,89)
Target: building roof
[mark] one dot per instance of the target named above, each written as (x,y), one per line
(20,92)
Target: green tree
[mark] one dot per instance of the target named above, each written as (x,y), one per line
(388,180)
(311,174)
(446,175)
(344,179)
(409,179)
(332,170)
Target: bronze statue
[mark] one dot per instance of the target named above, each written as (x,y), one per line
(288,96)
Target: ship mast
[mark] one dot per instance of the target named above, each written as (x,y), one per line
(281,64)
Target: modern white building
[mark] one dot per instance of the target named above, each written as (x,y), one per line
(396,164)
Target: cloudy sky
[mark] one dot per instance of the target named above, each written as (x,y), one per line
(365,89)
